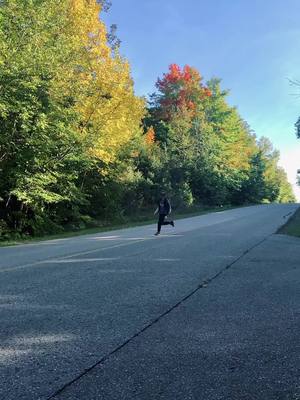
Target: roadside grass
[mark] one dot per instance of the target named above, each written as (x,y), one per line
(144,218)
(292,226)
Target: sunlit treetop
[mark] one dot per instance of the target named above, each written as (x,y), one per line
(181,89)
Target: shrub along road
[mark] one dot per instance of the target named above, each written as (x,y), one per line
(208,310)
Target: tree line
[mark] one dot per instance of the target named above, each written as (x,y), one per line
(77,144)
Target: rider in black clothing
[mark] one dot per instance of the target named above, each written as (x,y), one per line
(163,209)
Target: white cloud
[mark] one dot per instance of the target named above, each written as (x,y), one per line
(290,161)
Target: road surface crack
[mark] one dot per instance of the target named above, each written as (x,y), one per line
(202,285)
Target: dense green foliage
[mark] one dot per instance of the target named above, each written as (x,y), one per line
(211,156)
(76,144)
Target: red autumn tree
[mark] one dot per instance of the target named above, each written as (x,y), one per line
(150,136)
(180,90)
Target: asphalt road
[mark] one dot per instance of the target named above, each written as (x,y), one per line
(208,310)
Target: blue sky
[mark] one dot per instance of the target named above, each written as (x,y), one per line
(252,45)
